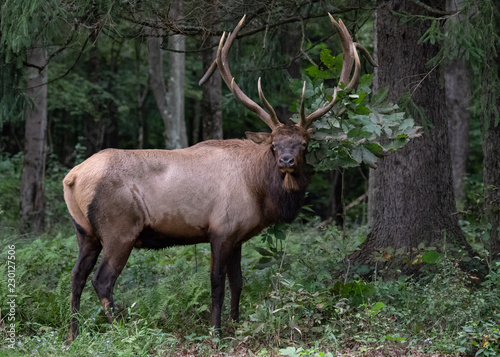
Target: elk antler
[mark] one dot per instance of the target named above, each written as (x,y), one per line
(270,117)
(350,58)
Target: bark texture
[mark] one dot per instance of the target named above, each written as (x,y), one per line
(94,128)
(491,177)
(458,94)
(411,197)
(211,102)
(176,130)
(170,104)
(35,147)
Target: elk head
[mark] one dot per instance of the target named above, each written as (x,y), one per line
(288,142)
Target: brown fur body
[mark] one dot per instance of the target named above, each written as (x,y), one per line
(221,192)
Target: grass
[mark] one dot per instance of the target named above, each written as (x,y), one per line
(286,308)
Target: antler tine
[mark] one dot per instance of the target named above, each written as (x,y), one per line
(351,58)
(222,63)
(353,83)
(209,73)
(347,49)
(270,109)
(303,119)
(365,53)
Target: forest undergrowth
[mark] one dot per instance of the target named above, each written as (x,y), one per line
(301,297)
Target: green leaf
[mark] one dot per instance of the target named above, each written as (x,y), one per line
(263,252)
(373,128)
(296,85)
(361,109)
(407,123)
(430,257)
(323,274)
(380,96)
(369,158)
(376,308)
(398,143)
(364,84)
(264,262)
(357,154)
(279,234)
(376,149)
(326,58)
(354,133)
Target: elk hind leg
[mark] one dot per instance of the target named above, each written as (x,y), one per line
(89,249)
(110,267)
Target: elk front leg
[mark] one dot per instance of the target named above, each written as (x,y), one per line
(235,281)
(219,256)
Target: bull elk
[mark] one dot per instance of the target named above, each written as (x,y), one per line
(221,192)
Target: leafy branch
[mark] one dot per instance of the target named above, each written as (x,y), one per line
(361,128)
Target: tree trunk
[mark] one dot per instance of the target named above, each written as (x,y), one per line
(170,103)
(94,133)
(491,174)
(335,208)
(491,178)
(411,199)
(142,92)
(458,94)
(176,133)
(156,76)
(211,102)
(32,181)
(291,36)
(110,120)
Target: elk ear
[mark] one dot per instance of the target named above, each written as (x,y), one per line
(259,138)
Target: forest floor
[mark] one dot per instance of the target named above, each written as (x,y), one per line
(292,304)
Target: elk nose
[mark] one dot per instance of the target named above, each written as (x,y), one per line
(287,161)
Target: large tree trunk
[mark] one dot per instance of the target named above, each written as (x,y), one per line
(491,178)
(142,92)
(458,94)
(491,174)
(170,102)
(110,120)
(411,198)
(32,181)
(211,102)
(94,135)
(156,76)
(176,133)
(167,109)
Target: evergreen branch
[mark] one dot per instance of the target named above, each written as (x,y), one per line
(254,31)
(55,53)
(63,75)
(192,30)
(433,10)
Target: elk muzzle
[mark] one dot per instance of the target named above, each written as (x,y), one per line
(287,163)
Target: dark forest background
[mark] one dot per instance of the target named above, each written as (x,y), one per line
(397,248)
